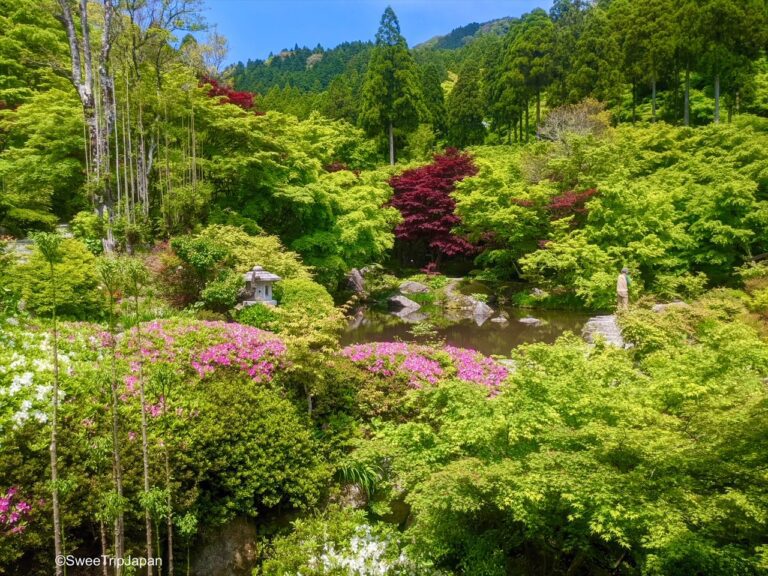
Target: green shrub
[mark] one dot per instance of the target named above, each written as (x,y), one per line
(77,283)
(247,251)
(221,293)
(338,539)
(305,295)
(86,224)
(204,255)
(260,316)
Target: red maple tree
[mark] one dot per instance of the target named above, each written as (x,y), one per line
(242,99)
(570,203)
(423,197)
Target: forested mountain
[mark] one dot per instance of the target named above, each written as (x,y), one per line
(182,256)
(303,68)
(312,70)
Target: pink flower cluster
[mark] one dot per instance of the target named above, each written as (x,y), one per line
(390,358)
(472,366)
(251,350)
(13,513)
(204,346)
(422,365)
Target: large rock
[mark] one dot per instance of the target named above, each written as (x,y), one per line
(229,550)
(356,282)
(604,327)
(482,310)
(658,308)
(399,303)
(411,287)
(530,321)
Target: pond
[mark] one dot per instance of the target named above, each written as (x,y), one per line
(489,338)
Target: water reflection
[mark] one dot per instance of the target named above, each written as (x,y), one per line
(490,338)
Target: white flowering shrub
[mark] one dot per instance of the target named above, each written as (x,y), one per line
(342,542)
(26,368)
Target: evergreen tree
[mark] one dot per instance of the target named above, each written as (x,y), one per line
(434,99)
(596,62)
(530,54)
(645,32)
(465,108)
(501,100)
(733,33)
(340,100)
(391,97)
(568,17)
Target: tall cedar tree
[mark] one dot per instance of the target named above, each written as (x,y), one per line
(391,96)
(530,55)
(423,197)
(465,108)
(733,34)
(646,35)
(434,99)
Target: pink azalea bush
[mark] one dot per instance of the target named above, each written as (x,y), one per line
(14,512)
(202,347)
(423,365)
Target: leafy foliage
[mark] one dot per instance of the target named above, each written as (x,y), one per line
(422,195)
(77,282)
(655,457)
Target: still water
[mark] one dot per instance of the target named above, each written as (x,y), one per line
(489,338)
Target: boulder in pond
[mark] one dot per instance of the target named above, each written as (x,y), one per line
(482,310)
(501,320)
(530,321)
(411,287)
(399,303)
(605,327)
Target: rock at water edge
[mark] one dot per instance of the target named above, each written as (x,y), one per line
(606,327)
(400,303)
(356,282)
(411,287)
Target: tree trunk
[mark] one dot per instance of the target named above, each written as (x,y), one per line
(653,98)
(169,519)
(57,544)
(144,442)
(103,537)
(98,132)
(116,464)
(538,110)
(717,98)
(687,97)
(391,144)
(634,101)
(527,125)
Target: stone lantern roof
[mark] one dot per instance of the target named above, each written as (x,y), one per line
(258,274)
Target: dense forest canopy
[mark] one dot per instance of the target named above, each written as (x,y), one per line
(146,410)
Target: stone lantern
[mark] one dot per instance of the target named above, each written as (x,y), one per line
(258,287)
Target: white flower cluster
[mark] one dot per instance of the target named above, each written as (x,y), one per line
(25,368)
(365,555)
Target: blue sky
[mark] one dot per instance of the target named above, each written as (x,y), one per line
(255,28)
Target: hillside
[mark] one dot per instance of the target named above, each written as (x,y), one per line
(313,69)
(463,35)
